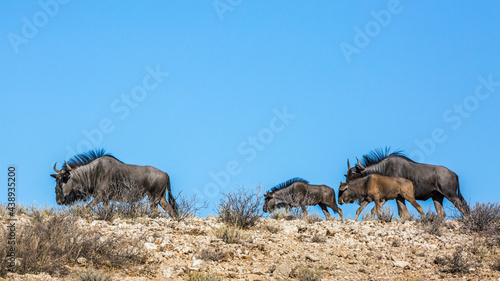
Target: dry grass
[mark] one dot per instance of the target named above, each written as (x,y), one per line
(92,274)
(386,214)
(307,274)
(483,217)
(230,235)
(461,261)
(53,239)
(432,223)
(241,208)
(188,206)
(197,276)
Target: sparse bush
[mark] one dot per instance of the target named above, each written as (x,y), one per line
(92,274)
(210,254)
(386,214)
(187,206)
(230,235)
(409,216)
(307,274)
(197,276)
(483,217)
(312,218)
(48,243)
(496,264)
(459,262)
(318,239)
(432,223)
(271,228)
(282,214)
(367,216)
(241,208)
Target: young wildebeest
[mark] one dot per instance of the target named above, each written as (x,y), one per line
(377,188)
(298,192)
(102,176)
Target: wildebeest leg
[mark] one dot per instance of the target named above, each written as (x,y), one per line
(304,210)
(409,195)
(382,202)
(438,203)
(325,211)
(336,208)
(402,210)
(92,203)
(358,211)
(164,204)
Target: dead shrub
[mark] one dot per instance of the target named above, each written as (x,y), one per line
(460,261)
(49,243)
(197,276)
(230,235)
(306,274)
(367,216)
(312,218)
(187,206)
(318,239)
(483,217)
(432,223)
(92,274)
(210,254)
(386,214)
(282,214)
(272,229)
(241,208)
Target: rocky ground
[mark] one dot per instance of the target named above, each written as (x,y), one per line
(281,250)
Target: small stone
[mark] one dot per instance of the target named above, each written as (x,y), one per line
(81,260)
(257,272)
(311,258)
(197,262)
(150,246)
(402,264)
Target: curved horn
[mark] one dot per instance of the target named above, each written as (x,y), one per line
(342,186)
(348,165)
(68,167)
(55,169)
(360,165)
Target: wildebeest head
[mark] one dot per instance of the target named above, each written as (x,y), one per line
(65,191)
(269,202)
(345,195)
(354,172)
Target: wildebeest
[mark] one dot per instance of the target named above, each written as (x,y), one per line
(105,178)
(378,189)
(429,181)
(298,192)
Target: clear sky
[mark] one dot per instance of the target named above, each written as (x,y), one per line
(228,93)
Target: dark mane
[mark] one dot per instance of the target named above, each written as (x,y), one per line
(87,157)
(379,154)
(285,184)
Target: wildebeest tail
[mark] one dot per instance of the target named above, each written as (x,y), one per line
(171,199)
(462,199)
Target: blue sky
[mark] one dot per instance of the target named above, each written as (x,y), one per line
(221,94)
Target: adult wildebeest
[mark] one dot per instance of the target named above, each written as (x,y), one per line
(103,177)
(298,192)
(378,189)
(429,181)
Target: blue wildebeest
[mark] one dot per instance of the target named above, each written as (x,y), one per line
(105,178)
(429,181)
(298,192)
(378,189)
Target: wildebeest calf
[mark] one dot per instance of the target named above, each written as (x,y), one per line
(377,188)
(298,192)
